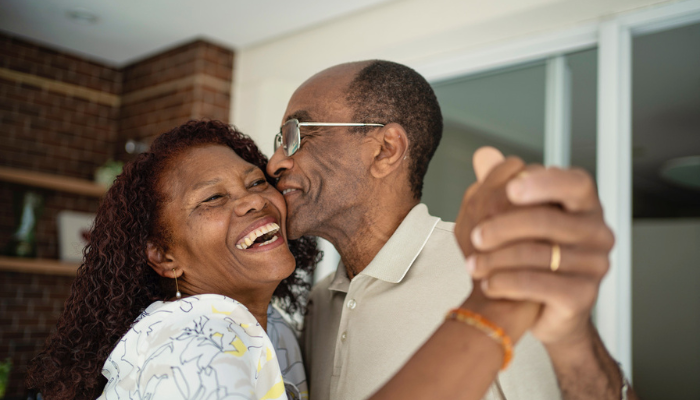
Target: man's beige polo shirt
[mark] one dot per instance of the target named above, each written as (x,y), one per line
(359,333)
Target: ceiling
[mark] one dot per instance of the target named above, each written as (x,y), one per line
(127,30)
(508,106)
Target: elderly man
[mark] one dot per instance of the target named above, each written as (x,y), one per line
(354,147)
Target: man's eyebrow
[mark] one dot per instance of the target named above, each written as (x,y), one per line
(300,115)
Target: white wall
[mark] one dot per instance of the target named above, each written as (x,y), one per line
(413,32)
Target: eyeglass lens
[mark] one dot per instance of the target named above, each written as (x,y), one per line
(278,141)
(290,136)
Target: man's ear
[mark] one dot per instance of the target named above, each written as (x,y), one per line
(160,261)
(392,150)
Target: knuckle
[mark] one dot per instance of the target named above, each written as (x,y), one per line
(610,238)
(604,265)
(596,265)
(515,161)
(605,236)
(584,187)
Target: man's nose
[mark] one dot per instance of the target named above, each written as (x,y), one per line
(279,163)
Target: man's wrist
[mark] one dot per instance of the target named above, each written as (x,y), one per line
(584,368)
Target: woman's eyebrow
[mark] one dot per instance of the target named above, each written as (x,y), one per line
(202,184)
(214,181)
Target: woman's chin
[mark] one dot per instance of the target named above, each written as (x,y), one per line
(278,261)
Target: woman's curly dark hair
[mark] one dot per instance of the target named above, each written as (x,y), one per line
(115,284)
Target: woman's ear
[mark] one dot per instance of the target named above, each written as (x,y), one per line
(161,262)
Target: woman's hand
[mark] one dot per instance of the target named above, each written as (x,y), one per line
(483,200)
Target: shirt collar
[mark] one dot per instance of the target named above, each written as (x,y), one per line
(396,257)
(340,282)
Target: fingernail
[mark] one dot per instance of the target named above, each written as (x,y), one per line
(522,174)
(471,264)
(484,285)
(477,240)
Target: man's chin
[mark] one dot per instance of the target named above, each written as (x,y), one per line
(300,225)
(292,232)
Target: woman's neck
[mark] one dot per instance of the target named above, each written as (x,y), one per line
(256,302)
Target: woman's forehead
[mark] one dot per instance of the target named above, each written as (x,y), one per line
(201,164)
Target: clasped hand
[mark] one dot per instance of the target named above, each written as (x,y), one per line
(508,224)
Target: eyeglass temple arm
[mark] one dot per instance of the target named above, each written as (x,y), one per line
(335,124)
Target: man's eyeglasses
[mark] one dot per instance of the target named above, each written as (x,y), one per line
(289,136)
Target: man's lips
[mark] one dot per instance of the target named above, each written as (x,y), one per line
(288,187)
(289,191)
(265,231)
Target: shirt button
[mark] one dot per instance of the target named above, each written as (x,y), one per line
(344,336)
(352,304)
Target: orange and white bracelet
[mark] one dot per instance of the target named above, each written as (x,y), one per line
(489,328)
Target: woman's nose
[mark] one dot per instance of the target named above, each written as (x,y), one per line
(249,203)
(279,163)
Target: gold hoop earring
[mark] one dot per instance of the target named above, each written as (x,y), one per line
(178,295)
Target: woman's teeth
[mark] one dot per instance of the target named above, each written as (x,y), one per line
(268,230)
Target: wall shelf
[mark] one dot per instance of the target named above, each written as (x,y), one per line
(55,182)
(38,266)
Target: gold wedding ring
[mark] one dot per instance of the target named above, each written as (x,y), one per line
(556,258)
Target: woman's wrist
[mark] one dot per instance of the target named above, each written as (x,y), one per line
(487,327)
(515,318)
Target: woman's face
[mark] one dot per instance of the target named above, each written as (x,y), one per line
(227,226)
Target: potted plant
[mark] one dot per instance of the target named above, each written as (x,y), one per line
(5,368)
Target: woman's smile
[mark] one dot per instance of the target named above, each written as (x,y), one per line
(261,235)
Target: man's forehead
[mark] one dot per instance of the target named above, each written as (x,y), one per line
(300,115)
(316,105)
(323,95)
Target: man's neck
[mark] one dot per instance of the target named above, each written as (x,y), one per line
(359,242)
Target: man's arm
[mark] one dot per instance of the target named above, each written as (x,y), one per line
(585,370)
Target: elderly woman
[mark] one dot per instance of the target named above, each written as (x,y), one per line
(188,227)
(172,300)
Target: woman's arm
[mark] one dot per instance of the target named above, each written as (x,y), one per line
(460,361)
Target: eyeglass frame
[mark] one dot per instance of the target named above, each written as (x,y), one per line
(279,138)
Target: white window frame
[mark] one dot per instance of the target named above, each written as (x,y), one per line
(613,37)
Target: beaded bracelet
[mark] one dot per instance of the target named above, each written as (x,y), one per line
(492,330)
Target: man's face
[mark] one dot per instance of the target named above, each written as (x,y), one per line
(325,179)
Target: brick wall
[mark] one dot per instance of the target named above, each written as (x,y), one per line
(64,115)
(30,304)
(190,82)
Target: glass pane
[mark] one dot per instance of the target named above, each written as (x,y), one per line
(666,214)
(584,91)
(504,109)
